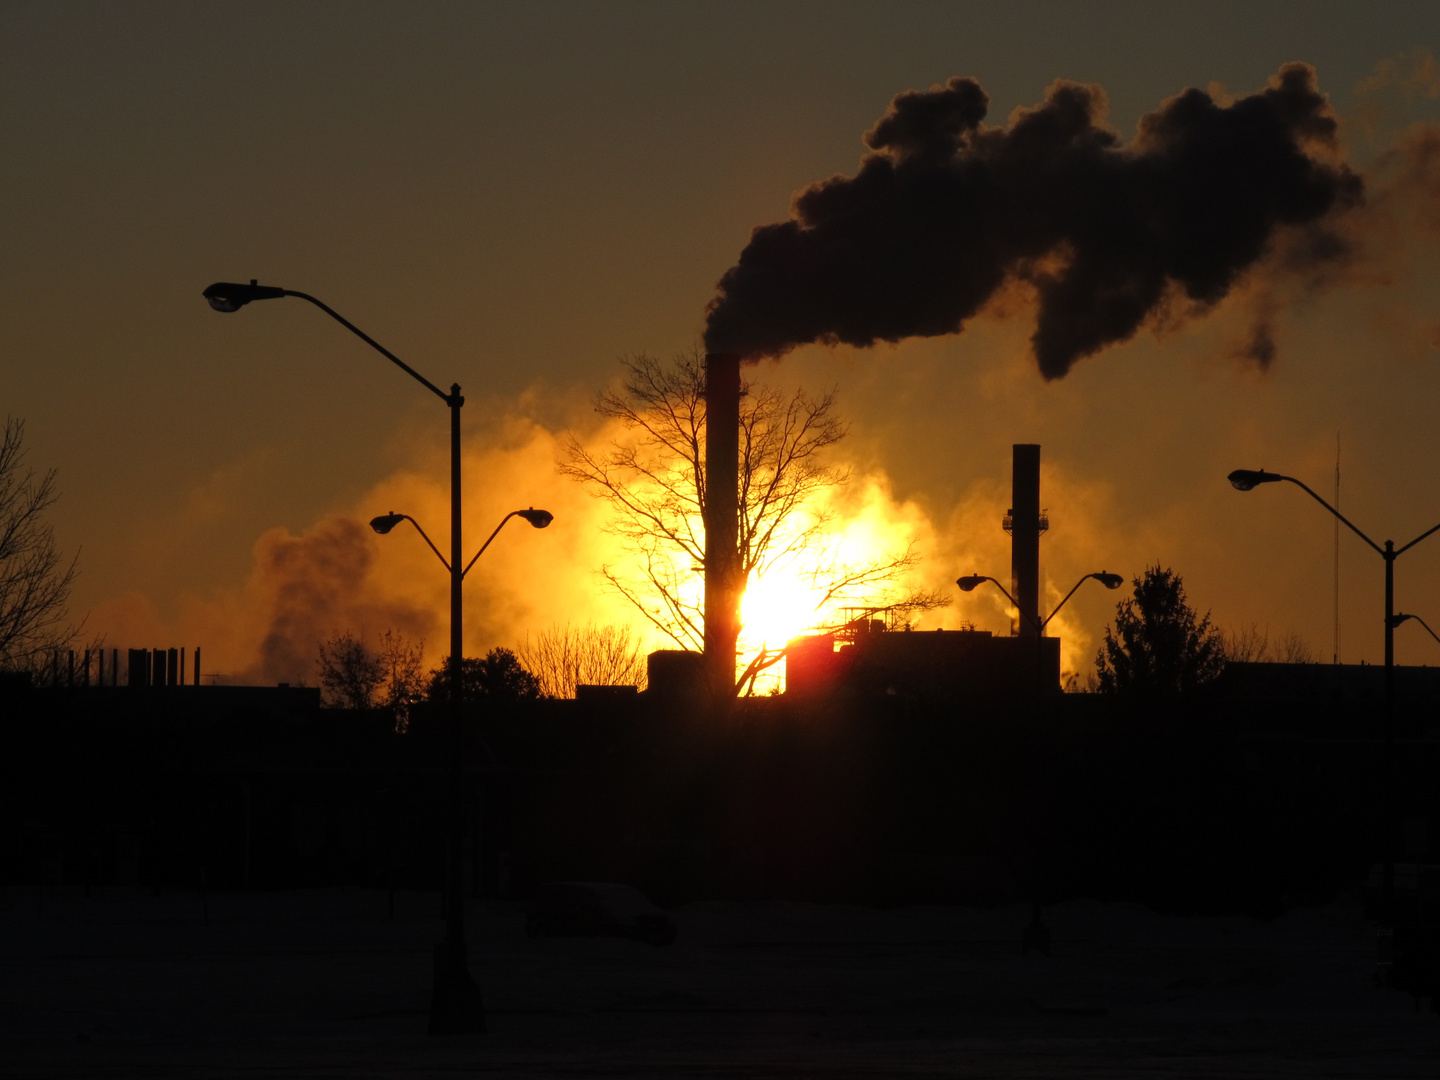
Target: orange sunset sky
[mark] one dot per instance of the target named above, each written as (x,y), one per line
(514,196)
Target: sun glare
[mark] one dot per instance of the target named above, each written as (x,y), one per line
(785,602)
(777,608)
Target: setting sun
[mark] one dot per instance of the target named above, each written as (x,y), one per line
(777,608)
(826,584)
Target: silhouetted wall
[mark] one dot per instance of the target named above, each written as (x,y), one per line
(1212,805)
(970,666)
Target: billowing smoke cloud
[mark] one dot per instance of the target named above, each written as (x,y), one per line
(946,210)
(314,585)
(336,575)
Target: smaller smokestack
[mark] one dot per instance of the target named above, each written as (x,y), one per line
(1025,535)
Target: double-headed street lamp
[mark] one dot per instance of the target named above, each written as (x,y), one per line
(973,581)
(1248,480)
(454,876)
(456,1005)
(1109,580)
(385,522)
(1035,934)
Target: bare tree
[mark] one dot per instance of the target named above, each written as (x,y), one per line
(350,674)
(1294,649)
(565,657)
(1248,644)
(402,664)
(35,580)
(390,676)
(1252,644)
(654,479)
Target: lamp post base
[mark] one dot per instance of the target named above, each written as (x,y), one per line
(456,1006)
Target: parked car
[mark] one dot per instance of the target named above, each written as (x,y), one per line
(596,909)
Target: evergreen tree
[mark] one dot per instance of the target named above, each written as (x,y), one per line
(1158,645)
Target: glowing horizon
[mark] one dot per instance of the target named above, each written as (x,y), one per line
(515,203)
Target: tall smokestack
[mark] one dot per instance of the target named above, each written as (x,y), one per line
(722,518)
(1025,535)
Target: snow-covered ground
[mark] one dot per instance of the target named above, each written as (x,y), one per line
(323,983)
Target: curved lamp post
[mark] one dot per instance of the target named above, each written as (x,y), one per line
(1400,617)
(385,522)
(972,581)
(1035,934)
(454,898)
(1248,480)
(456,1006)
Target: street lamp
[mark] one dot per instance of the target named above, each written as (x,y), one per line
(454,895)
(972,581)
(385,522)
(1247,480)
(456,1006)
(1400,617)
(1035,935)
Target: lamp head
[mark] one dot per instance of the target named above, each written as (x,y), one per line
(537,518)
(1245,479)
(385,522)
(1398,618)
(1110,581)
(970,581)
(231,296)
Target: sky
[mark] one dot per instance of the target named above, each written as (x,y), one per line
(514,197)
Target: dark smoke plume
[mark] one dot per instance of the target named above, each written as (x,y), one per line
(312,586)
(945,210)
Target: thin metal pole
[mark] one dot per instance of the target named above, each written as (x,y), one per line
(1387,878)
(456,1006)
(1387,765)
(1336,657)
(455,906)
